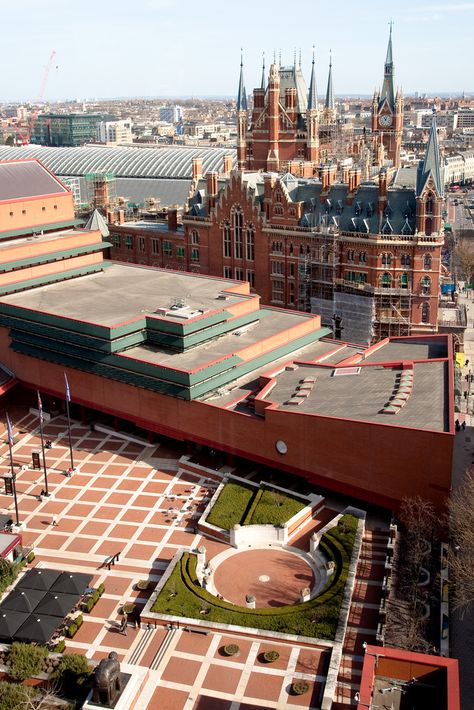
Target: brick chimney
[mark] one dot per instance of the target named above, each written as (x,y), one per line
(227,166)
(121,217)
(172,219)
(345,174)
(197,168)
(212,190)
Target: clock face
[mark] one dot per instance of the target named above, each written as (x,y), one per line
(385,120)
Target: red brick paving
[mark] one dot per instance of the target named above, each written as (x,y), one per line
(194,643)
(181,670)
(168,699)
(223,681)
(264,686)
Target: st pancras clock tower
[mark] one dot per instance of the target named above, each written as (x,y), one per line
(387,111)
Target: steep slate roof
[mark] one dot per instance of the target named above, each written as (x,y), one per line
(329,91)
(26,178)
(313,93)
(362,216)
(431,166)
(241,95)
(97,222)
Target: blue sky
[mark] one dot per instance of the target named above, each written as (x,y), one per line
(111,48)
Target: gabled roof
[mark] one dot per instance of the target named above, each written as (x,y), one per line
(21,179)
(97,222)
(431,166)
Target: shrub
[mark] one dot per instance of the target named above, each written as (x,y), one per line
(231,649)
(299,687)
(275,508)
(59,648)
(271,656)
(79,621)
(73,669)
(13,696)
(25,660)
(72,630)
(95,596)
(30,556)
(101,589)
(88,605)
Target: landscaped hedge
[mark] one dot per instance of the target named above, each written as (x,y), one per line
(256,499)
(317,617)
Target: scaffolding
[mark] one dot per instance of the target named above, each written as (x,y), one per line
(101,190)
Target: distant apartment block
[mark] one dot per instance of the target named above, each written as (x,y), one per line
(115,132)
(171,114)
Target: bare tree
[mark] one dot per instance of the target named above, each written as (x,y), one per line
(461,554)
(464,255)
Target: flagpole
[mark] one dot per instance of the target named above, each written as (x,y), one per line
(40,412)
(68,397)
(9,429)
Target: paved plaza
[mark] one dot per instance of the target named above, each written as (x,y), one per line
(132,500)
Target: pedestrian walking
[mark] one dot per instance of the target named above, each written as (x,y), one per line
(54,521)
(463,426)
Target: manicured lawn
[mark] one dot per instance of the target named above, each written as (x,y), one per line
(245,505)
(230,507)
(183,596)
(274,508)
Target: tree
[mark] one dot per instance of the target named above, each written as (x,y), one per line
(461,554)
(10,141)
(73,670)
(464,256)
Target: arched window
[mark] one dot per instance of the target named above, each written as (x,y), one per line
(278,209)
(237,222)
(425,313)
(386,280)
(430,204)
(404,281)
(194,237)
(426,286)
(405,260)
(226,239)
(250,243)
(277,196)
(386,259)
(291,249)
(427,262)
(301,250)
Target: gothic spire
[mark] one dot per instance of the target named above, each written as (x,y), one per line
(241,96)
(388,92)
(431,165)
(262,83)
(329,92)
(313,94)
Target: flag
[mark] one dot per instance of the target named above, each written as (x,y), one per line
(10,432)
(40,407)
(68,394)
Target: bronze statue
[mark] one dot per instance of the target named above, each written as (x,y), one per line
(107,680)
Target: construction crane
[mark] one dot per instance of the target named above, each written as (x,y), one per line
(25,139)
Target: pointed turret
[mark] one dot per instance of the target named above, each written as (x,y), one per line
(329,105)
(431,165)
(313,93)
(388,92)
(262,83)
(96,222)
(242,95)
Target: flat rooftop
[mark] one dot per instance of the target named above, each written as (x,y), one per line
(362,396)
(267,324)
(39,238)
(124,292)
(399,350)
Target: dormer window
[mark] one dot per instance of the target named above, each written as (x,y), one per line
(388,210)
(370,209)
(406,229)
(339,207)
(328,204)
(358,208)
(387,227)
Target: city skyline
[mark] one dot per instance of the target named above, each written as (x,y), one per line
(104,52)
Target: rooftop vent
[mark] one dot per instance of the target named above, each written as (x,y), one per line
(345,371)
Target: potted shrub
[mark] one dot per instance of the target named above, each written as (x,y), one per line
(142,585)
(101,589)
(72,630)
(88,605)
(271,656)
(128,608)
(59,648)
(299,687)
(231,649)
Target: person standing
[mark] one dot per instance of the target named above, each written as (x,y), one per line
(54,521)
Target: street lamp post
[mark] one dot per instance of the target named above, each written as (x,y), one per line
(40,413)
(10,444)
(68,399)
